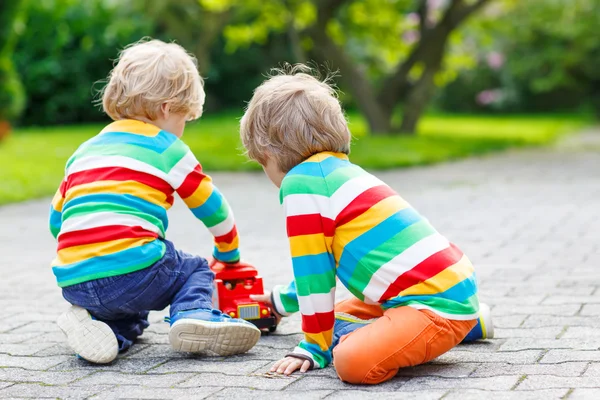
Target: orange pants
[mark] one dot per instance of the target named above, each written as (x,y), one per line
(400,337)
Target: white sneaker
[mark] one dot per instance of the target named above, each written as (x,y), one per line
(485,319)
(91,340)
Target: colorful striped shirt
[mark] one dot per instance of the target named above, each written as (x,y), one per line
(343,222)
(110,211)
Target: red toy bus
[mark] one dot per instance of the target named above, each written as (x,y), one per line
(233,286)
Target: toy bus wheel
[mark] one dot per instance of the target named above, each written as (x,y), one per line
(272,328)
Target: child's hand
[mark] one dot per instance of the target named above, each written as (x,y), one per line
(266,298)
(288,365)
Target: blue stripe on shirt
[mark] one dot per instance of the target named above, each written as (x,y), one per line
(313,264)
(210,206)
(158,143)
(362,245)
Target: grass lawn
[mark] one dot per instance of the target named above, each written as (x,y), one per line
(33,159)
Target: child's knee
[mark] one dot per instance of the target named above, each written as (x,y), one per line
(355,366)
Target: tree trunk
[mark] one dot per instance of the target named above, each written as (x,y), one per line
(417,101)
(380,121)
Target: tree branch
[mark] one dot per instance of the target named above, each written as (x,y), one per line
(352,76)
(423,11)
(393,88)
(326,9)
(460,14)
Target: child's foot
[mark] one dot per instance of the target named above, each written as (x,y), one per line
(484,328)
(199,330)
(91,340)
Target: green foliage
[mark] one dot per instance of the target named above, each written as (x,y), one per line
(564,38)
(552,54)
(12,96)
(34,158)
(69,45)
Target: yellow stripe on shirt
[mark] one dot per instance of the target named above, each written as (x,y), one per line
(75,254)
(58,201)
(225,247)
(346,233)
(133,188)
(201,194)
(304,245)
(322,339)
(132,126)
(444,280)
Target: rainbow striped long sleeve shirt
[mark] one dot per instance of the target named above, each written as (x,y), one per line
(110,211)
(343,222)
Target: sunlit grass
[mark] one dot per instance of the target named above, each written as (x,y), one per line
(32,160)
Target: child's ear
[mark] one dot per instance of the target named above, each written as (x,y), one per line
(165,110)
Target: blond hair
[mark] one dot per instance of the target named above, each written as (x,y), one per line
(292,116)
(149,73)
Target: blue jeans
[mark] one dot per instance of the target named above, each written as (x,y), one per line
(181,280)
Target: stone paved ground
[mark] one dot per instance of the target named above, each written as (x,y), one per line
(528,219)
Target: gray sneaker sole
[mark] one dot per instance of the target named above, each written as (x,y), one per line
(222,338)
(92,340)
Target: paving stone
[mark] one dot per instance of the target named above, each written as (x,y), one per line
(36,316)
(6,325)
(590,309)
(45,377)
(509,321)
(585,394)
(153,338)
(593,370)
(222,366)
(535,382)
(532,343)
(538,321)
(455,370)
(165,351)
(38,391)
(398,395)
(511,357)
(12,338)
(23,349)
(563,369)
(515,309)
(312,382)
(249,394)
(560,356)
(118,378)
(482,346)
(516,300)
(541,333)
(247,381)
(43,326)
(581,332)
(505,382)
(130,366)
(48,337)
(578,300)
(136,392)
(34,363)
(474,394)
(4,385)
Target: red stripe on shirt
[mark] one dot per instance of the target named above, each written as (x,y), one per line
(102,234)
(119,174)
(428,268)
(363,202)
(191,182)
(309,224)
(228,237)
(63,188)
(318,322)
